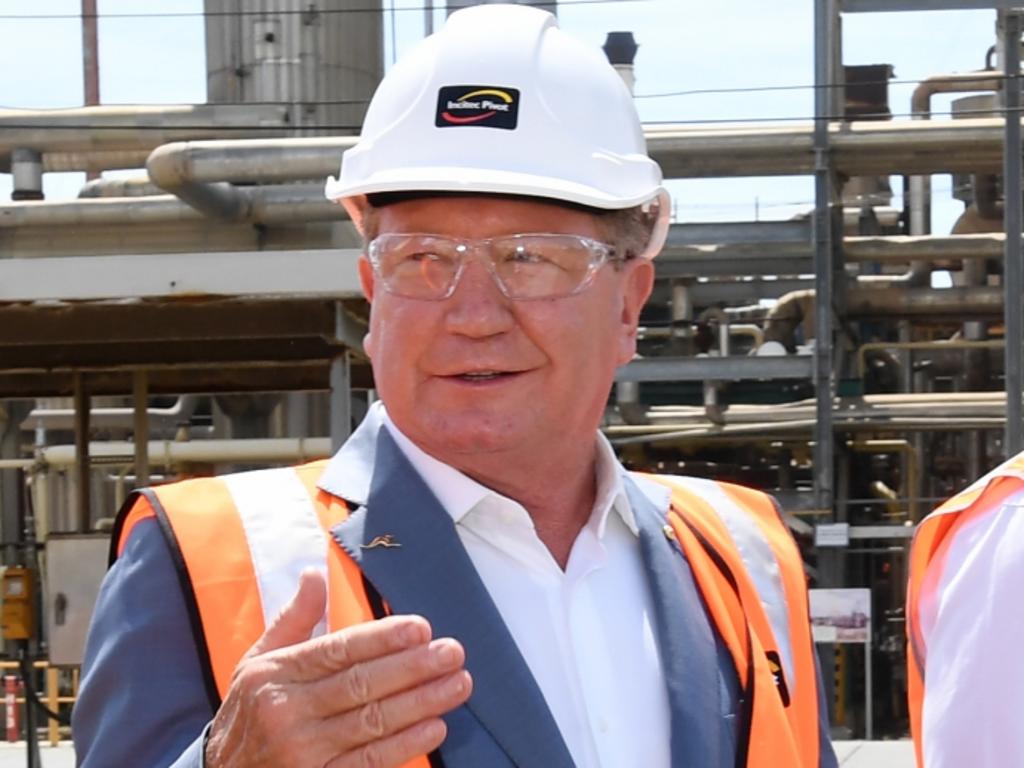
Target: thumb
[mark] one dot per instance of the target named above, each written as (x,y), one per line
(298,619)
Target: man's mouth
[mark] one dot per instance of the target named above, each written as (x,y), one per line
(483,375)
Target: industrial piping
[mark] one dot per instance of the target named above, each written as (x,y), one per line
(281,204)
(102,138)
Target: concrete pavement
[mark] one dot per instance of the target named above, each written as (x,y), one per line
(873,754)
(852,754)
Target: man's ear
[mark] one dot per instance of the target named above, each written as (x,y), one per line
(637,283)
(368,282)
(366,278)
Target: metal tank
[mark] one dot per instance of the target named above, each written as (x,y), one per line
(323,59)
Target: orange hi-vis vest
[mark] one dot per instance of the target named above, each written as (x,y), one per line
(928,556)
(241,540)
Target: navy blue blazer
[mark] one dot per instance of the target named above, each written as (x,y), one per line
(143,701)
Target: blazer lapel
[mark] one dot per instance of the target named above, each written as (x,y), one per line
(430,574)
(689,653)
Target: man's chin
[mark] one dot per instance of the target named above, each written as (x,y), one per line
(467,434)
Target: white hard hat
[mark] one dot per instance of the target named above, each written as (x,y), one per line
(502,101)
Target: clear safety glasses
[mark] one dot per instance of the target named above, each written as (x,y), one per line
(419,266)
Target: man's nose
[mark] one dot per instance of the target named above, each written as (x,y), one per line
(477,307)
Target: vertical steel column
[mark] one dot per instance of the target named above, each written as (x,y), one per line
(90,60)
(140,427)
(341,400)
(826,20)
(1013,270)
(82,476)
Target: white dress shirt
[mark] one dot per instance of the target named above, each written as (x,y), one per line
(974,628)
(587,633)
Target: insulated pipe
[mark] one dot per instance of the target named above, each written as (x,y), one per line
(750,149)
(95,160)
(899,302)
(283,204)
(166,453)
(760,258)
(868,300)
(83,131)
(138,186)
(105,418)
(249,161)
(859,149)
(921,109)
(168,170)
(173,168)
(111,137)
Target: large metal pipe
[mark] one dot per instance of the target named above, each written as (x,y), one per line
(105,418)
(794,257)
(173,168)
(899,302)
(250,161)
(749,149)
(877,299)
(921,109)
(167,453)
(727,150)
(137,186)
(858,149)
(88,134)
(116,137)
(284,204)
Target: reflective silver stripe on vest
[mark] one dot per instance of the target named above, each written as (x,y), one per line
(283,531)
(758,558)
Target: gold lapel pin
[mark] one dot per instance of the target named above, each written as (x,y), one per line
(387,541)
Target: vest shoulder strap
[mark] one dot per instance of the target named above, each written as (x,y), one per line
(746,534)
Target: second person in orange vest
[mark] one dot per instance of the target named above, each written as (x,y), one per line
(966,628)
(474,580)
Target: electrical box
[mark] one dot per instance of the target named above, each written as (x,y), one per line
(75,566)
(16,618)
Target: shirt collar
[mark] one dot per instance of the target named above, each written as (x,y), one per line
(349,472)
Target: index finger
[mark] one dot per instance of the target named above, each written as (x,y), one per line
(339,650)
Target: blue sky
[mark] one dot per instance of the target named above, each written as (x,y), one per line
(685,45)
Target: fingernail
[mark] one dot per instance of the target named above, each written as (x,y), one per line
(457,684)
(445,653)
(434,730)
(412,634)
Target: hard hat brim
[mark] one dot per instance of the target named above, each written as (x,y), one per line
(483,181)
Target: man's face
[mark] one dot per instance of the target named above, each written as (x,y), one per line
(554,359)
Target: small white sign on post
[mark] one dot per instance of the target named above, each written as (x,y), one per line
(844,616)
(841,615)
(832,535)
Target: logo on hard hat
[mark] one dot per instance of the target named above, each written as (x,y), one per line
(485,106)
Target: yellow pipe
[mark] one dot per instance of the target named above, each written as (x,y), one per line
(896,446)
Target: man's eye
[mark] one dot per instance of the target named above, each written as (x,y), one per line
(419,256)
(525,256)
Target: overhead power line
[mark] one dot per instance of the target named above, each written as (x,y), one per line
(999,76)
(660,95)
(84,126)
(282,12)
